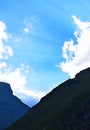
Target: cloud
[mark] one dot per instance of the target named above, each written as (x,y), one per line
(5,51)
(18,81)
(28,26)
(26,30)
(2,65)
(76,52)
(17,77)
(3,34)
(33,19)
(18,39)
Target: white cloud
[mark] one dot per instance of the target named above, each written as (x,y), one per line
(17,77)
(26,30)
(15,38)
(3,34)
(2,65)
(18,82)
(5,51)
(30,93)
(77,53)
(28,26)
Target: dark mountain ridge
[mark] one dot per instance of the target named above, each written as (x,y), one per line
(11,108)
(67,107)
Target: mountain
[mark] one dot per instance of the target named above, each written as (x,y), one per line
(67,107)
(11,108)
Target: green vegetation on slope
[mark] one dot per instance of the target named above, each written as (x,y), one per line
(67,107)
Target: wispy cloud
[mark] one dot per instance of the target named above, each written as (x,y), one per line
(17,77)
(77,52)
(5,51)
(28,26)
(18,39)
(33,19)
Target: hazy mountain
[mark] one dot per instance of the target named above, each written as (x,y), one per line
(67,107)
(11,108)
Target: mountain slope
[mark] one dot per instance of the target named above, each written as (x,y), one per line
(11,108)
(67,107)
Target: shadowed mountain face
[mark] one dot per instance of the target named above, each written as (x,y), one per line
(67,107)
(11,108)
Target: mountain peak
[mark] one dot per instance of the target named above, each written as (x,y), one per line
(5,89)
(83,73)
(11,108)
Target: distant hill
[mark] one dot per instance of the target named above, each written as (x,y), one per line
(67,107)
(11,108)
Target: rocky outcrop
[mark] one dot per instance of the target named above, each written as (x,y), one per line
(11,108)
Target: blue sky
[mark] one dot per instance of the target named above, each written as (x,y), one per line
(42,44)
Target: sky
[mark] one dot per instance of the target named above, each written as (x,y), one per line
(42,44)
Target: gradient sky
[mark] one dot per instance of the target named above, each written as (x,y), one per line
(42,44)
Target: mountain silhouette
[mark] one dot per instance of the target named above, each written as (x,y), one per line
(11,108)
(67,107)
